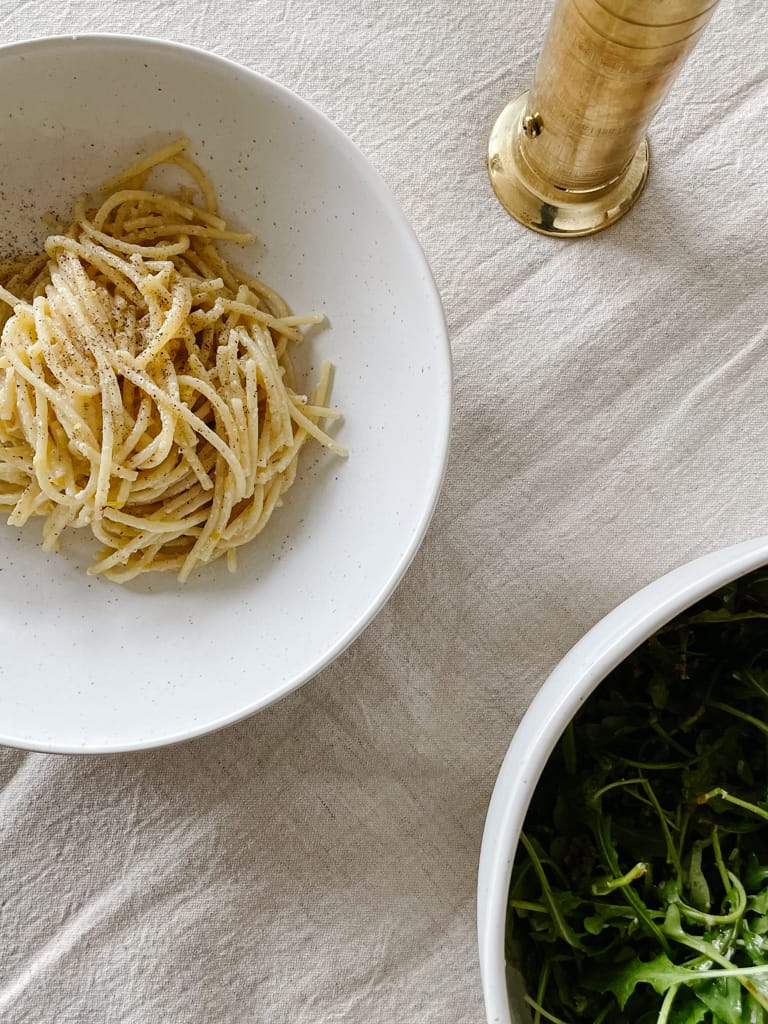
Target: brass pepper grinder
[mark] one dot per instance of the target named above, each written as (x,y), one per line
(570,157)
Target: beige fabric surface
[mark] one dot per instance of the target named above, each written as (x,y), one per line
(318,862)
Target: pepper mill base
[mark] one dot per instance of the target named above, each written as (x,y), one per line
(542,206)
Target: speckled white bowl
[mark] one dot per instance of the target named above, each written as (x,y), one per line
(585,666)
(90,666)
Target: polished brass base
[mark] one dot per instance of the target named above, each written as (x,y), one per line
(542,206)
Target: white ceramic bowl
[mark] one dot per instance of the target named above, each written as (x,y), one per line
(88,665)
(585,666)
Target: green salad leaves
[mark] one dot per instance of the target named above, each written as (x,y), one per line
(639,894)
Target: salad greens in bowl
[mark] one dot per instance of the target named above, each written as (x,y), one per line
(624,867)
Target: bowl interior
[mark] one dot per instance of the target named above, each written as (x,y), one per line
(90,665)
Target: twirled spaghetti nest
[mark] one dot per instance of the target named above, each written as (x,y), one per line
(146,390)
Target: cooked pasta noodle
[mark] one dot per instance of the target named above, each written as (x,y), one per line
(146,389)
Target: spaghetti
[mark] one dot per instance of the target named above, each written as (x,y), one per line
(146,388)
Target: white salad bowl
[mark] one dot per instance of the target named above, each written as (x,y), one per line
(585,666)
(92,666)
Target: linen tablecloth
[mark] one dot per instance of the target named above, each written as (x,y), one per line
(318,862)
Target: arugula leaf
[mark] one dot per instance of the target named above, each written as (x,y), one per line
(697,880)
(660,973)
(688,1011)
(724,997)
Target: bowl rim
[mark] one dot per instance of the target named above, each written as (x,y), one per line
(583,668)
(443,374)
